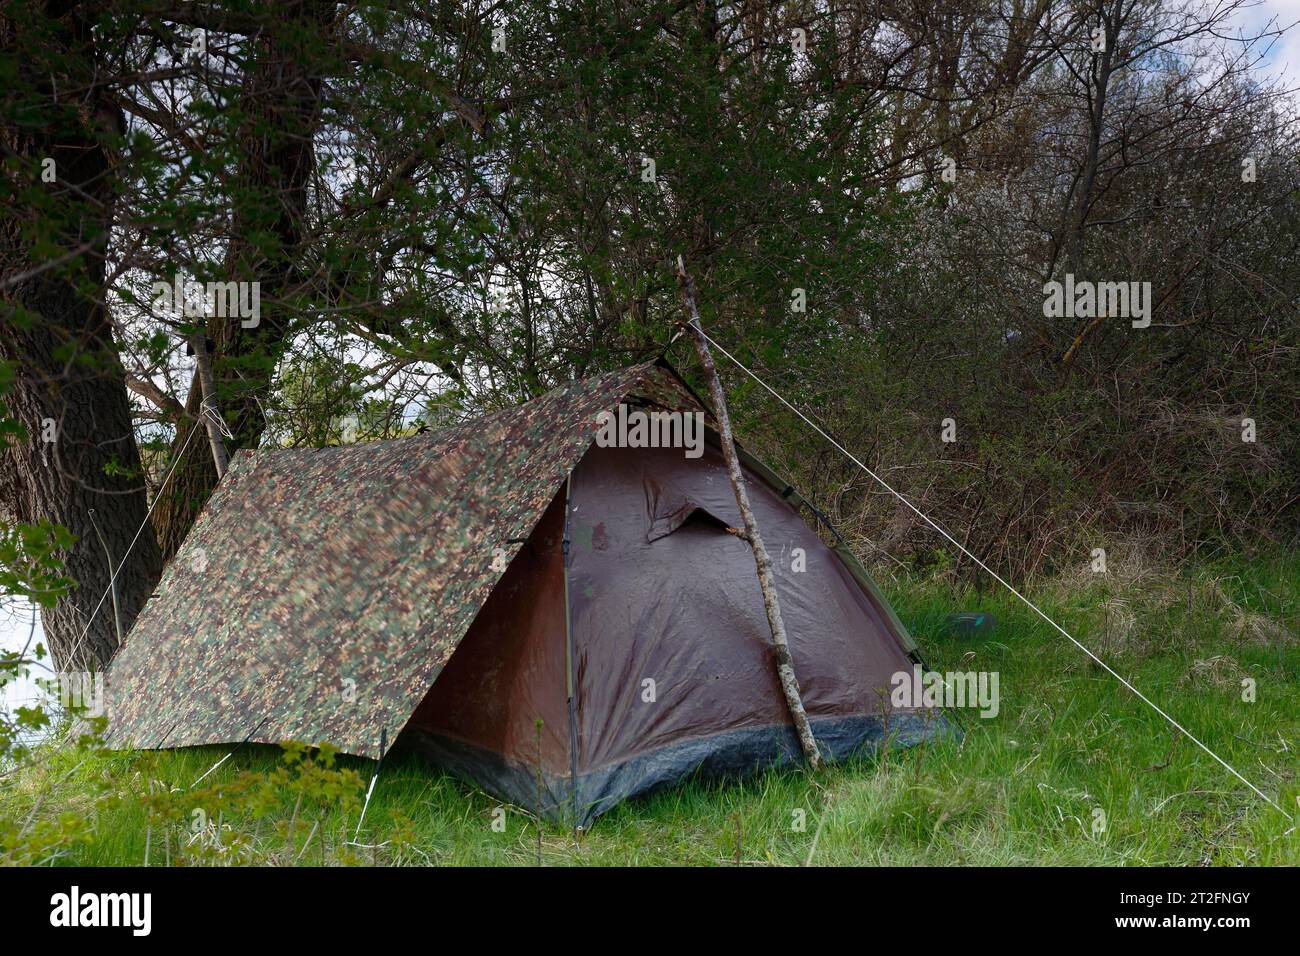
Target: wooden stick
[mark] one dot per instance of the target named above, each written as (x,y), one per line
(766,579)
(208,407)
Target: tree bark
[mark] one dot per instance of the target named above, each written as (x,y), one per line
(763,562)
(55,327)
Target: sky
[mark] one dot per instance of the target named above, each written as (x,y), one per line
(1283,61)
(1284,58)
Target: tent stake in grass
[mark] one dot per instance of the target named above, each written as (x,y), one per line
(766,579)
(383,749)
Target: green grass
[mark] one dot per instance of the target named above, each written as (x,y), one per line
(1021,788)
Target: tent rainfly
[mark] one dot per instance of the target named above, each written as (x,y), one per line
(521,601)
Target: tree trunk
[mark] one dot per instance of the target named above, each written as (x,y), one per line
(53,324)
(193,477)
(1096,126)
(282,102)
(766,579)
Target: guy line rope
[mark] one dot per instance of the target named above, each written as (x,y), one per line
(817,428)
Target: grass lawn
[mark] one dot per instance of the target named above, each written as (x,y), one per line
(1074,769)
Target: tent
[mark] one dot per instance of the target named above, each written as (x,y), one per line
(563,622)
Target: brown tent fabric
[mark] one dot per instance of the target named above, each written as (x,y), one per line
(672,666)
(509,672)
(685,610)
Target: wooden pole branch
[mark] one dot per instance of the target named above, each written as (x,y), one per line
(766,578)
(208,413)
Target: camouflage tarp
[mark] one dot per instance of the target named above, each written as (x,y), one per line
(321,591)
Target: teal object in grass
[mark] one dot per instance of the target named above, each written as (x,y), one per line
(971,623)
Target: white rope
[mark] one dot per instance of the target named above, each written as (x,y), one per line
(210,769)
(208,407)
(1190,736)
